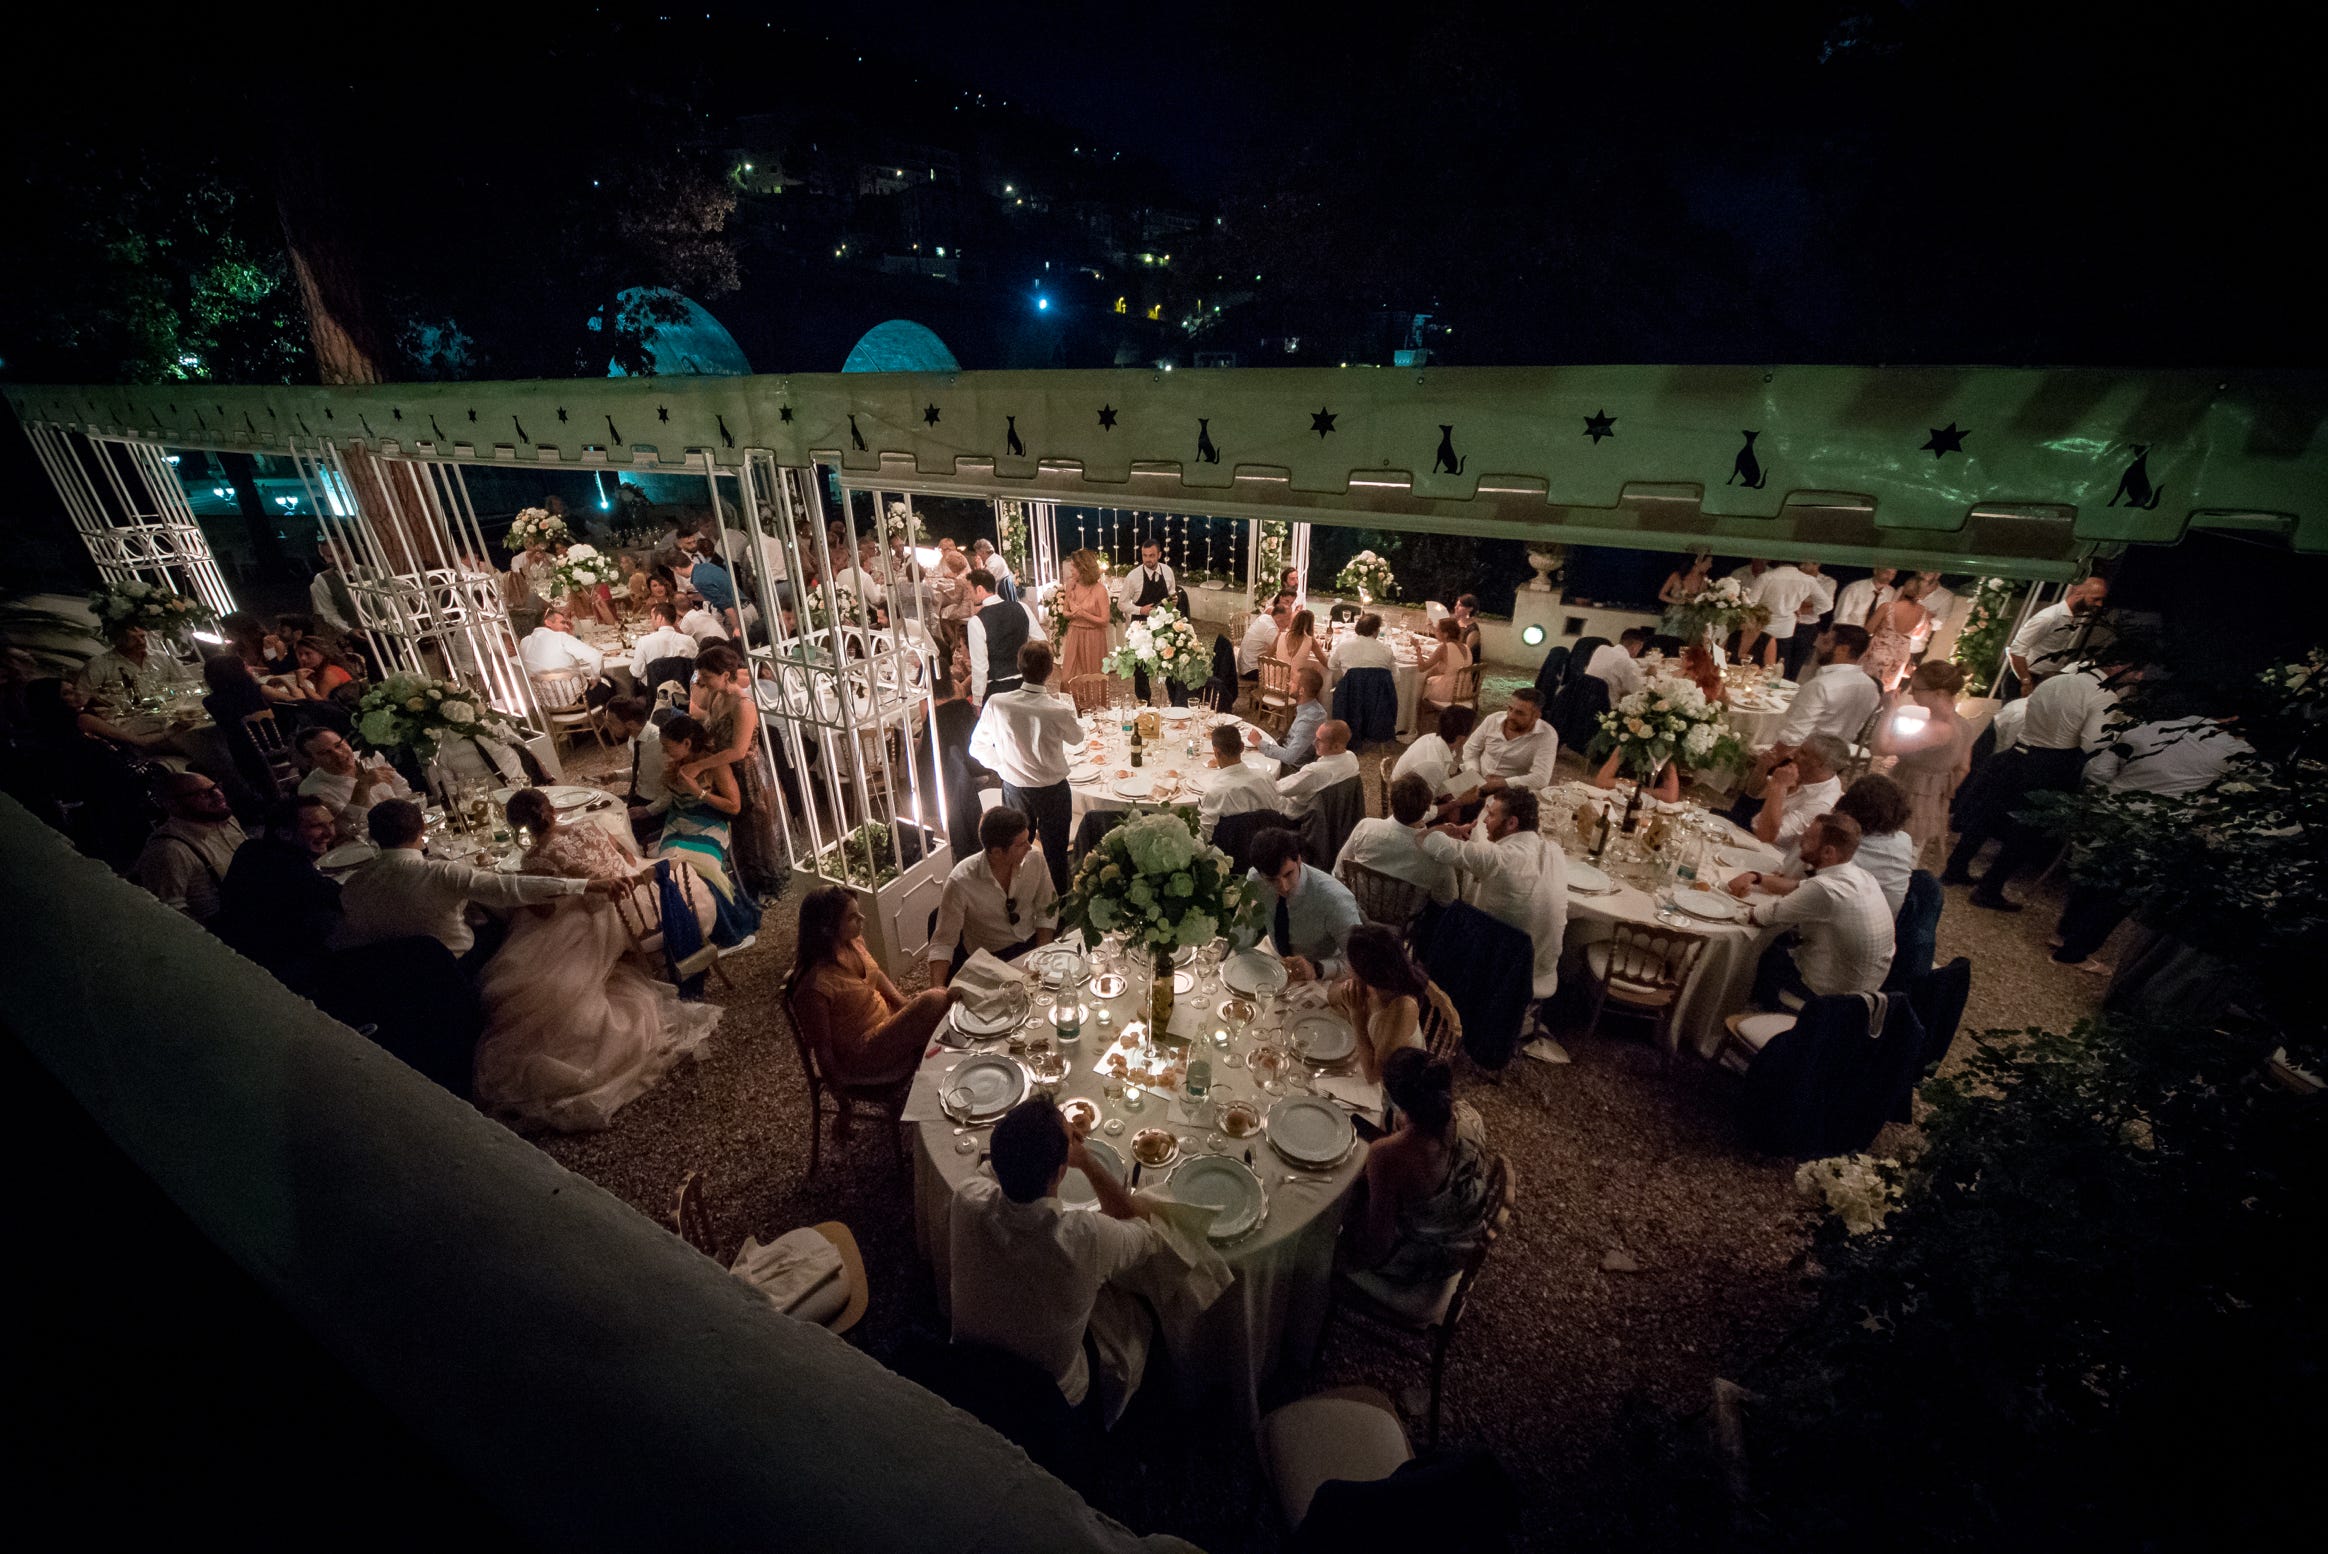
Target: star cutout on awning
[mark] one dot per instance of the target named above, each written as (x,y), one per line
(784,414)
(1946,441)
(1107,415)
(1598,425)
(1322,423)
(929,415)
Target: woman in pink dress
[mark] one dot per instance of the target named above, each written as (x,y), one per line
(1298,644)
(1440,669)
(1929,757)
(1892,632)
(1086,602)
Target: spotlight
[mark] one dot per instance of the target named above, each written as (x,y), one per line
(1533,636)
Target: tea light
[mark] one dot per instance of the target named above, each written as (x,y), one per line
(1067,1020)
(1220,1038)
(1134,1098)
(1106,1016)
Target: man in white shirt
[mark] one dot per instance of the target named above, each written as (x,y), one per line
(1514,751)
(702,624)
(864,580)
(552,646)
(348,786)
(1147,585)
(1437,757)
(405,894)
(1939,602)
(1513,874)
(1859,600)
(1024,736)
(1800,788)
(1807,616)
(1395,846)
(1839,698)
(994,901)
(1782,591)
(649,793)
(983,554)
(1619,662)
(1028,1275)
(663,639)
(2068,719)
(1749,575)
(1261,635)
(1298,794)
(1362,648)
(1886,852)
(1843,931)
(131,667)
(994,636)
(2048,640)
(1235,788)
(186,858)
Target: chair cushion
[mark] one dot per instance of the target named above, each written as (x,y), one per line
(1317,1439)
(1758,1030)
(1623,989)
(1419,1305)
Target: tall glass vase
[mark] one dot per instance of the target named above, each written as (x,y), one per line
(1159,993)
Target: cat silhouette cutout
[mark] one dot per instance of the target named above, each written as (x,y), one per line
(856,438)
(1747,469)
(612,431)
(432,426)
(1205,451)
(1018,449)
(2135,484)
(725,435)
(1445,463)
(520,425)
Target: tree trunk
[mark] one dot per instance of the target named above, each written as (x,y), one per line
(347,341)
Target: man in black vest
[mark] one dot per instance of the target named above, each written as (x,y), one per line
(1146,586)
(994,636)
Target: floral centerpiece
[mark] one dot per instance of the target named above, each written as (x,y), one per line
(1166,645)
(535,526)
(820,614)
(156,608)
(420,714)
(1156,882)
(1859,1190)
(1719,608)
(1980,646)
(1666,723)
(581,569)
(1368,576)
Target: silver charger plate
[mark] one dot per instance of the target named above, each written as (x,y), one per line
(1076,1191)
(1310,1131)
(1588,880)
(348,855)
(1249,972)
(1001,1022)
(1227,1185)
(982,1087)
(1321,1037)
(1713,906)
(1063,957)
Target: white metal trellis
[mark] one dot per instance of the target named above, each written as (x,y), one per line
(130,511)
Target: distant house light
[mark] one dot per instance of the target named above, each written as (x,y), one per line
(747,167)
(941,250)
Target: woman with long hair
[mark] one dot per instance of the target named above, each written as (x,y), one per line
(1299,640)
(1892,633)
(696,829)
(1381,994)
(873,1033)
(721,700)
(1451,658)
(1088,606)
(1426,1184)
(321,671)
(1929,756)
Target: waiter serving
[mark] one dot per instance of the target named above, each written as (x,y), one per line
(1146,586)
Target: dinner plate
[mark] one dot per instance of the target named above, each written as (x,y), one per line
(1064,957)
(1137,786)
(1226,1185)
(1321,1036)
(1162,1143)
(994,1023)
(1251,973)
(1591,881)
(1076,1190)
(1176,714)
(1715,906)
(348,856)
(976,1089)
(1310,1130)
(1079,775)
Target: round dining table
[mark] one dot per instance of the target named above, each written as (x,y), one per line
(1280,1272)
(1408,652)
(1175,768)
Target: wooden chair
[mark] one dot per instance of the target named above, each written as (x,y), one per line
(1090,691)
(886,1101)
(1383,898)
(1464,692)
(646,935)
(1440,1027)
(1274,697)
(562,693)
(1643,969)
(266,737)
(693,1222)
(1431,1315)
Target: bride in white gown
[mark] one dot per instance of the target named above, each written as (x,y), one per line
(574,1030)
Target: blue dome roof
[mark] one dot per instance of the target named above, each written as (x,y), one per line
(698,345)
(901,345)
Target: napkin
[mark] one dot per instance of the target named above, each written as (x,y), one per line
(1361,1092)
(799,1272)
(1183,1228)
(988,987)
(1305,995)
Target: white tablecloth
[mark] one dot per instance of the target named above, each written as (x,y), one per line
(1282,1271)
(1723,978)
(1175,777)
(1757,720)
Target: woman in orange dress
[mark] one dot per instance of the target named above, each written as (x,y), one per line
(873,1033)
(1085,600)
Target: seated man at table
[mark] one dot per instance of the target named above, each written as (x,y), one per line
(186,859)
(1618,663)
(1514,751)
(1802,786)
(552,646)
(1395,846)
(273,904)
(344,783)
(1437,757)
(1262,635)
(1513,873)
(1028,1275)
(993,900)
(1311,913)
(1841,939)
(1298,794)
(702,623)
(1886,851)
(1363,648)
(663,639)
(1299,747)
(1238,789)
(405,894)
(131,666)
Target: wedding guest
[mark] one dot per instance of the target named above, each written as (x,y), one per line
(187,857)
(722,701)
(131,667)
(88,785)
(1311,912)
(246,638)
(1261,636)
(1298,645)
(1939,602)
(696,817)
(993,635)
(1024,734)
(1086,603)
(648,794)
(1394,846)
(344,782)
(1424,1200)
(1449,659)
(2068,719)
(273,904)
(662,639)
(1861,599)
(2054,638)
(321,672)
(1027,1275)
(1841,932)
(992,900)
(1436,756)
(1930,754)
(552,647)
(1516,750)
(1801,787)
(708,578)
(1682,584)
(1838,699)
(1299,747)
(404,893)
(1513,873)
(1466,618)
(1237,788)
(1298,794)
(1886,851)
(702,626)
(1782,591)
(64,705)
(1618,663)
(983,554)
(1894,631)
(328,598)
(1363,648)
(874,1034)
(1380,994)
(943,746)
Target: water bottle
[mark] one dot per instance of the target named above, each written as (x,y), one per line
(1199,1076)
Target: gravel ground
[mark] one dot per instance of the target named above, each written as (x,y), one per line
(1561,1361)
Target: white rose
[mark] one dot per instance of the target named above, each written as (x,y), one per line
(581,552)
(459,712)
